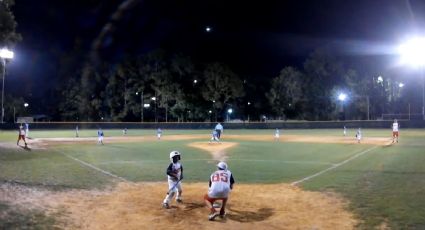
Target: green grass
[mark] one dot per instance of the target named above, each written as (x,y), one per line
(384,185)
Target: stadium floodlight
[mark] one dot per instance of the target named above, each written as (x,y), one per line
(412,53)
(26,105)
(153,98)
(4,54)
(230,111)
(209,111)
(342,96)
(146,105)
(208,29)
(380,79)
(249,103)
(195,81)
(400,85)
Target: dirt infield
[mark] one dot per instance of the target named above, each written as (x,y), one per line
(285,138)
(138,206)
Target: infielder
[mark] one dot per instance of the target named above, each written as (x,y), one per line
(276,135)
(158,133)
(76,131)
(21,135)
(219,129)
(395,130)
(214,136)
(220,184)
(345,131)
(359,135)
(174,175)
(100,136)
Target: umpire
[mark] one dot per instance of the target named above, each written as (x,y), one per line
(219,129)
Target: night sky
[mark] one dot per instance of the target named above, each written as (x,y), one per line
(256,38)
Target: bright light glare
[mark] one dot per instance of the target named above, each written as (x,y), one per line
(5,53)
(153,98)
(342,96)
(195,81)
(26,105)
(230,111)
(413,52)
(210,111)
(380,79)
(208,29)
(400,85)
(146,105)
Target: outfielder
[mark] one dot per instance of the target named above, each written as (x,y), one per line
(220,184)
(100,136)
(158,133)
(395,130)
(345,131)
(175,175)
(276,135)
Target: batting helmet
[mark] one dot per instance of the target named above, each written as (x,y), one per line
(222,165)
(173,154)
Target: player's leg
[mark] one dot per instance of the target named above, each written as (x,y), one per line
(179,193)
(170,194)
(209,202)
(19,138)
(223,208)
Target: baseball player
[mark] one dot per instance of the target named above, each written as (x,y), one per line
(276,135)
(214,136)
(158,133)
(21,135)
(219,129)
(27,129)
(175,175)
(100,136)
(359,135)
(124,131)
(345,131)
(220,184)
(395,130)
(76,131)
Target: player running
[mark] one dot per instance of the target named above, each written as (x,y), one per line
(220,184)
(174,175)
(396,127)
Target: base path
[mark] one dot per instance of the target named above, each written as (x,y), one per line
(138,206)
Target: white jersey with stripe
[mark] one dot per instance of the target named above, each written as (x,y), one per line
(220,184)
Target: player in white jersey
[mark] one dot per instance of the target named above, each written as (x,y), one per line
(276,135)
(21,135)
(359,135)
(159,133)
(175,175)
(395,130)
(345,131)
(220,184)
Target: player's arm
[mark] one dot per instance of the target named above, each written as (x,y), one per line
(232,181)
(181,174)
(170,171)
(209,183)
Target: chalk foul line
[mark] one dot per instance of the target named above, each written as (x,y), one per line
(334,166)
(94,167)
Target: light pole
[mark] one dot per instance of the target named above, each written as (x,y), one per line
(4,54)
(412,53)
(154,99)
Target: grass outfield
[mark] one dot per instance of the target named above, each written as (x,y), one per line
(384,184)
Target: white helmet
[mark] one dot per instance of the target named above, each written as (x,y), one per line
(222,165)
(173,154)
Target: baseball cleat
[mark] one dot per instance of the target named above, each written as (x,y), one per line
(212,216)
(179,200)
(222,214)
(165,205)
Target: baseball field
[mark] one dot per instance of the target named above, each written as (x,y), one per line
(308,179)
